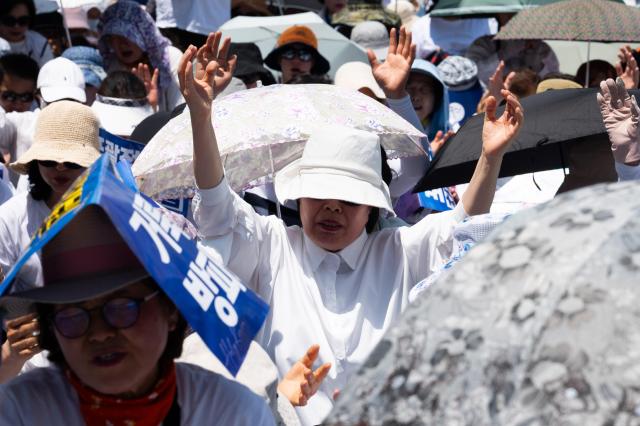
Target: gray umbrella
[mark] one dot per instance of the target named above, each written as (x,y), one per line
(536,326)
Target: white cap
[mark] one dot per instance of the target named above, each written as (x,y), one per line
(372,35)
(60,78)
(357,75)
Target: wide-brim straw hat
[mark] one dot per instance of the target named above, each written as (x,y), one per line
(338,163)
(87,259)
(66,131)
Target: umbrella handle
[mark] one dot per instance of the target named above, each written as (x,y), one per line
(273,175)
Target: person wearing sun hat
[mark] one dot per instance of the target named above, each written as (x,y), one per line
(65,143)
(92,66)
(296,53)
(117,368)
(343,282)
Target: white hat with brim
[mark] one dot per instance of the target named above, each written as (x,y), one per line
(357,75)
(120,119)
(66,131)
(338,163)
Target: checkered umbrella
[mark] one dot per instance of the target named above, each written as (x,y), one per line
(576,20)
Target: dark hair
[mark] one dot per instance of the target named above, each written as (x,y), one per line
(19,65)
(122,85)
(598,70)
(6,6)
(47,339)
(38,188)
(524,83)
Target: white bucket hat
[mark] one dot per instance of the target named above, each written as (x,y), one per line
(357,75)
(338,163)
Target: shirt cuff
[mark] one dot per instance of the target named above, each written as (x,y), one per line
(626,172)
(217,195)
(459,213)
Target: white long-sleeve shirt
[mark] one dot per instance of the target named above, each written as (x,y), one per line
(342,301)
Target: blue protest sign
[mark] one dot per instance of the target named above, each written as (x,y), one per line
(437,199)
(225,314)
(119,148)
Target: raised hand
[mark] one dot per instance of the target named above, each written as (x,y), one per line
(392,74)
(497,82)
(301,383)
(631,74)
(213,73)
(620,114)
(440,139)
(21,345)
(499,132)
(150,82)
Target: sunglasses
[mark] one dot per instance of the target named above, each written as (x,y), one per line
(11,21)
(11,96)
(119,313)
(301,54)
(50,164)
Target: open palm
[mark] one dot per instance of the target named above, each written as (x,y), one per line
(499,132)
(620,114)
(392,74)
(211,75)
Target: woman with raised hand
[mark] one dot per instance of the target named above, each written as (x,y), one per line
(112,336)
(332,282)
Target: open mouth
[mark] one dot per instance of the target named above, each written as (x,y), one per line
(108,359)
(329,226)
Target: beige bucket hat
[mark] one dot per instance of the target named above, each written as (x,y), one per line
(338,163)
(66,131)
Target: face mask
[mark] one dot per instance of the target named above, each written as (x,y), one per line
(93,24)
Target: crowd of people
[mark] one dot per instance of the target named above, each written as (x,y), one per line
(91,338)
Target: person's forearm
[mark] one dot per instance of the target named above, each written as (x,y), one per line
(207,166)
(478,197)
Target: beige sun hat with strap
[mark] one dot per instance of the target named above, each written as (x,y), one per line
(66,131)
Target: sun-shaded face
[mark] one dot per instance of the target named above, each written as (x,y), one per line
(58,176)
(127,52)
(16,94)
(14,26)
(422,93)
(296,60)
(120,362)
(333,224)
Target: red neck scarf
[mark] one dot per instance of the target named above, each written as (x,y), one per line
(149,410)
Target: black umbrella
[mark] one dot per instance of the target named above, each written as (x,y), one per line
(553,119)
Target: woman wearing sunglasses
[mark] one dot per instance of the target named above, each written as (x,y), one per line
(15,18)
(112,337)
(296,53)
(65,143)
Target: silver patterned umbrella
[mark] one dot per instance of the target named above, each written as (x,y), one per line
(536,326)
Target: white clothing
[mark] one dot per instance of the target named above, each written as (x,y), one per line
(519,192)
(342,301)
(6,188)
(35,46)
(16,134)
(20,218)
(44,396)
(627,172)
(451,36)
(197,16)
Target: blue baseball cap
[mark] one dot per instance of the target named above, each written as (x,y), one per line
(90,62)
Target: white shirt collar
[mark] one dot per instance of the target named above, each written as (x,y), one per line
(349,255)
